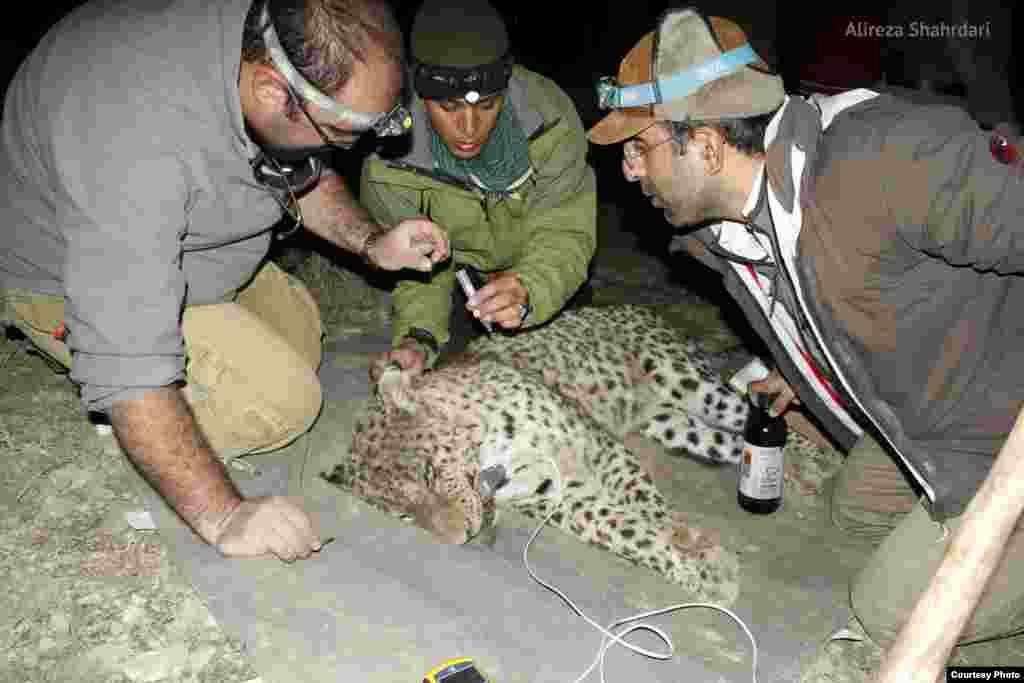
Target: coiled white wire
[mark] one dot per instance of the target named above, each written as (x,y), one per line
(609,637)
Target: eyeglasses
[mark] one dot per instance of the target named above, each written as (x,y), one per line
(323,136)
(396,122)
(633,149)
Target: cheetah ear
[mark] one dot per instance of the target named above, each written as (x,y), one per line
(394,390)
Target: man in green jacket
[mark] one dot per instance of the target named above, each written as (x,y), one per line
(498,158)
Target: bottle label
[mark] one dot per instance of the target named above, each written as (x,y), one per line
(761,472)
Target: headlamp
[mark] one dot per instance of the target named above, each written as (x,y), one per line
(398,121)
(608,93)
(613,95)
(435,82)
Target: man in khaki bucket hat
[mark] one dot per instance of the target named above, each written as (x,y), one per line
(867,241)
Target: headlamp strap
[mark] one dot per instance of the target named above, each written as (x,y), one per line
(676,86)
(396,122)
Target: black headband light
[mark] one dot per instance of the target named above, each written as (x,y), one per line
(433,82)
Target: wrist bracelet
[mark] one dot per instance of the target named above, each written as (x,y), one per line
(524,312)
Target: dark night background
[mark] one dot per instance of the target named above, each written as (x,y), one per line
(574,47)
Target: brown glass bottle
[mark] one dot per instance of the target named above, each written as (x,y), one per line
(761,469)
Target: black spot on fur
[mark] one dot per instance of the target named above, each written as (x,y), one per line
(670,434)
(627,533)
(690,384)
(662,417)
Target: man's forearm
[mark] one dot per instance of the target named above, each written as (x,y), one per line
(160,436)
(332,212)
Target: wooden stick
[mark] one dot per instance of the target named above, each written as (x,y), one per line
(923,645)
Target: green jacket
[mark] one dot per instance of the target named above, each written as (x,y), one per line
(545,231)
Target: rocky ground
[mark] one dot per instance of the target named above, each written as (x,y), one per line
(91,598)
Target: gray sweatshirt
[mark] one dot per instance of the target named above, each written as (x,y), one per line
(125,183)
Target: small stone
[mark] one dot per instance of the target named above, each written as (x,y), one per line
(157,665)
(198,660)
(60,622)
(132,613)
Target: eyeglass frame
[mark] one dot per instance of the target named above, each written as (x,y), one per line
(397,121)
(632,159)
(323,136)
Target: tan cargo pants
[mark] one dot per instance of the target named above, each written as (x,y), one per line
(872,499)
(251,364)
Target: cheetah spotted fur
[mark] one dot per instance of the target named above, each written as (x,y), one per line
(557,407)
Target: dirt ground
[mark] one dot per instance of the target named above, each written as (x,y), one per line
(88,597)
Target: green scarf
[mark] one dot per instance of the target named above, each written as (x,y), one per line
(502,160)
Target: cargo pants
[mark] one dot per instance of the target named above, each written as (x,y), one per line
(872,499)
(251,364)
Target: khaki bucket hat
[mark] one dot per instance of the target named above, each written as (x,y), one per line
(689,68)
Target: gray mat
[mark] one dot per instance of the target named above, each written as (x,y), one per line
(384,602)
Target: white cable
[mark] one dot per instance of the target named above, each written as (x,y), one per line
(610,638)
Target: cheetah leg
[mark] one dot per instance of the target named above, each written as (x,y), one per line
(687,435)
(682,553)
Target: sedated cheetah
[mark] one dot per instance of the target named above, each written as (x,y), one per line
(631,371)
(566,411)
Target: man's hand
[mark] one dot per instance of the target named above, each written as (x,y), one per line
(159,435)
(417,243)
(410,355)
(775,383)
(332,212)
(500,300)
(272,525)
